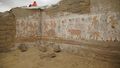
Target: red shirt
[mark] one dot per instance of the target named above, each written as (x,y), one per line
(34,3)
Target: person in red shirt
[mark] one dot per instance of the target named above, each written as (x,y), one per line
(34,3)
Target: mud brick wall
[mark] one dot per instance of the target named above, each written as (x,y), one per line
(7,31)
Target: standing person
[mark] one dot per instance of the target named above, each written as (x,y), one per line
(34,3)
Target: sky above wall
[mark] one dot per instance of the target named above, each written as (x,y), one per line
(6,5)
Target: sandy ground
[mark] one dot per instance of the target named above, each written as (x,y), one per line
(34,58)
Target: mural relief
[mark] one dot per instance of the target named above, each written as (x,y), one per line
(75,33)
(95,35)
(28,26)
(102,27)
(49,27)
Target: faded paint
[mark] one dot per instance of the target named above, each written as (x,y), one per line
(103,27)
(27,26)
(96,25)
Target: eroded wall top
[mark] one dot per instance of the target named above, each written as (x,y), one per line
(71,6)
(105,6)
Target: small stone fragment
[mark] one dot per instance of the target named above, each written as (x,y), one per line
(23,48)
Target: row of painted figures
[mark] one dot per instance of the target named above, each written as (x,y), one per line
(97,27)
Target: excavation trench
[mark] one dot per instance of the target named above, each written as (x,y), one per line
(73,34)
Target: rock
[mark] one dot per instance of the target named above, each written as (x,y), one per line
(23,48)
(47,55)
(56,48)
(115,40)
(51,55)
(42,48)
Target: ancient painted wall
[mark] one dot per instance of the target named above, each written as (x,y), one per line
(27,23)
(86,34)
(27,26)
(101,27)
(7,31)
(91,23)
(101,23)
(56,27)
